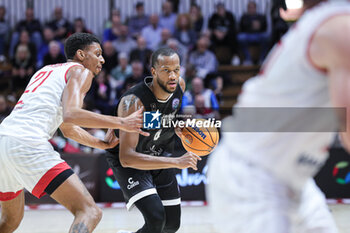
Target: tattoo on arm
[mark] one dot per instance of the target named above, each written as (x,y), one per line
(80,228)
(128,102)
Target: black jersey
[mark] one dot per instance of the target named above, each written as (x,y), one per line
(161,140)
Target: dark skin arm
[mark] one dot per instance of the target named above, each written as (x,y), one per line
(74,117)
(128,142)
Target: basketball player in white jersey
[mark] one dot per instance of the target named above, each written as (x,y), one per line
(262,181)
(52,99)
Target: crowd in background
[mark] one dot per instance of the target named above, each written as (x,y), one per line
(127,48)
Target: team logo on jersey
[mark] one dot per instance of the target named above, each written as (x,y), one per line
(152,120)
(341,172)
(176,103)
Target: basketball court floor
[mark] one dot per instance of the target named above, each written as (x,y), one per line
(195,219)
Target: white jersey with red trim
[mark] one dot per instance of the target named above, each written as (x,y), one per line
(38,113)
(288,79)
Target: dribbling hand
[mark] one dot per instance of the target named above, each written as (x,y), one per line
(189,159)
(133,123)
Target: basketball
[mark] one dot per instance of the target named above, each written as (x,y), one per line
(200,140)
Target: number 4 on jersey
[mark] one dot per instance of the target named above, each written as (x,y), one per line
(41,76)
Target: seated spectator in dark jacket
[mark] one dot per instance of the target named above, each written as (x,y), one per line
(48,36)
(101,91)
(79,26)
(4,31)
(138,21)
(110,55)
(183,32)
(23,67)
(142,53)
(113,32)
(136,77)
(253,30)
(197,20)
(222,25)
(32,26)
(54,55)
(60,25)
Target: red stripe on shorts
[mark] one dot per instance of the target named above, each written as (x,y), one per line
(39,189)
(9,195)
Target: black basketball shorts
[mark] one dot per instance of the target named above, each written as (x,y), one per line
(137,184)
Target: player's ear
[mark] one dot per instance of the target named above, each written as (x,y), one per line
(153,71)
(80,54)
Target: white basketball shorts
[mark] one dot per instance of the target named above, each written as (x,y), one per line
(245,198)
(24,166)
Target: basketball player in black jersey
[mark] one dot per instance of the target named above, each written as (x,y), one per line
(143,166)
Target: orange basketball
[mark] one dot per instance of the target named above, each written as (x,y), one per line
(200,140)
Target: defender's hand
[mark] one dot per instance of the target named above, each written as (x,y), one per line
(133,123)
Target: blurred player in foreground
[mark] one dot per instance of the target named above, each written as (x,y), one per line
(262,181)
(52,99)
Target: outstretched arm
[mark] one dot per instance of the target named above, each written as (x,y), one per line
(85,138)
(72,101)
(128,142)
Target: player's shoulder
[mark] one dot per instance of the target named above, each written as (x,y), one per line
(128,104)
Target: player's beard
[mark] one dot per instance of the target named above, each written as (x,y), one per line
(163,86)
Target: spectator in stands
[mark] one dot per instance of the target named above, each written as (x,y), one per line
(4,31)
(121,72)
(222,25)
(5,109)
(165,36)
(207,103)
(112,33)
(203,59)
(60,25)
(54,55)
(197,20)
(101,91)
(110,55)
(253,30)
(135,77)
(24,39)
(183,32)
(108,23)
(180,49)
(32,26)
(124,43)
(137,22)
(168,17)
(215,82)
(48,36)
(152,33)
(79,26)
(23,67)
(142,53)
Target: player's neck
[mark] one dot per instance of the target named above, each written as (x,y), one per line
(158,92)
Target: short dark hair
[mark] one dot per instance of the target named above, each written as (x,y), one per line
(78,41)
(161,52)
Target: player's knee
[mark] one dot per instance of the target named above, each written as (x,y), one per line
(95,213)
(10,223)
